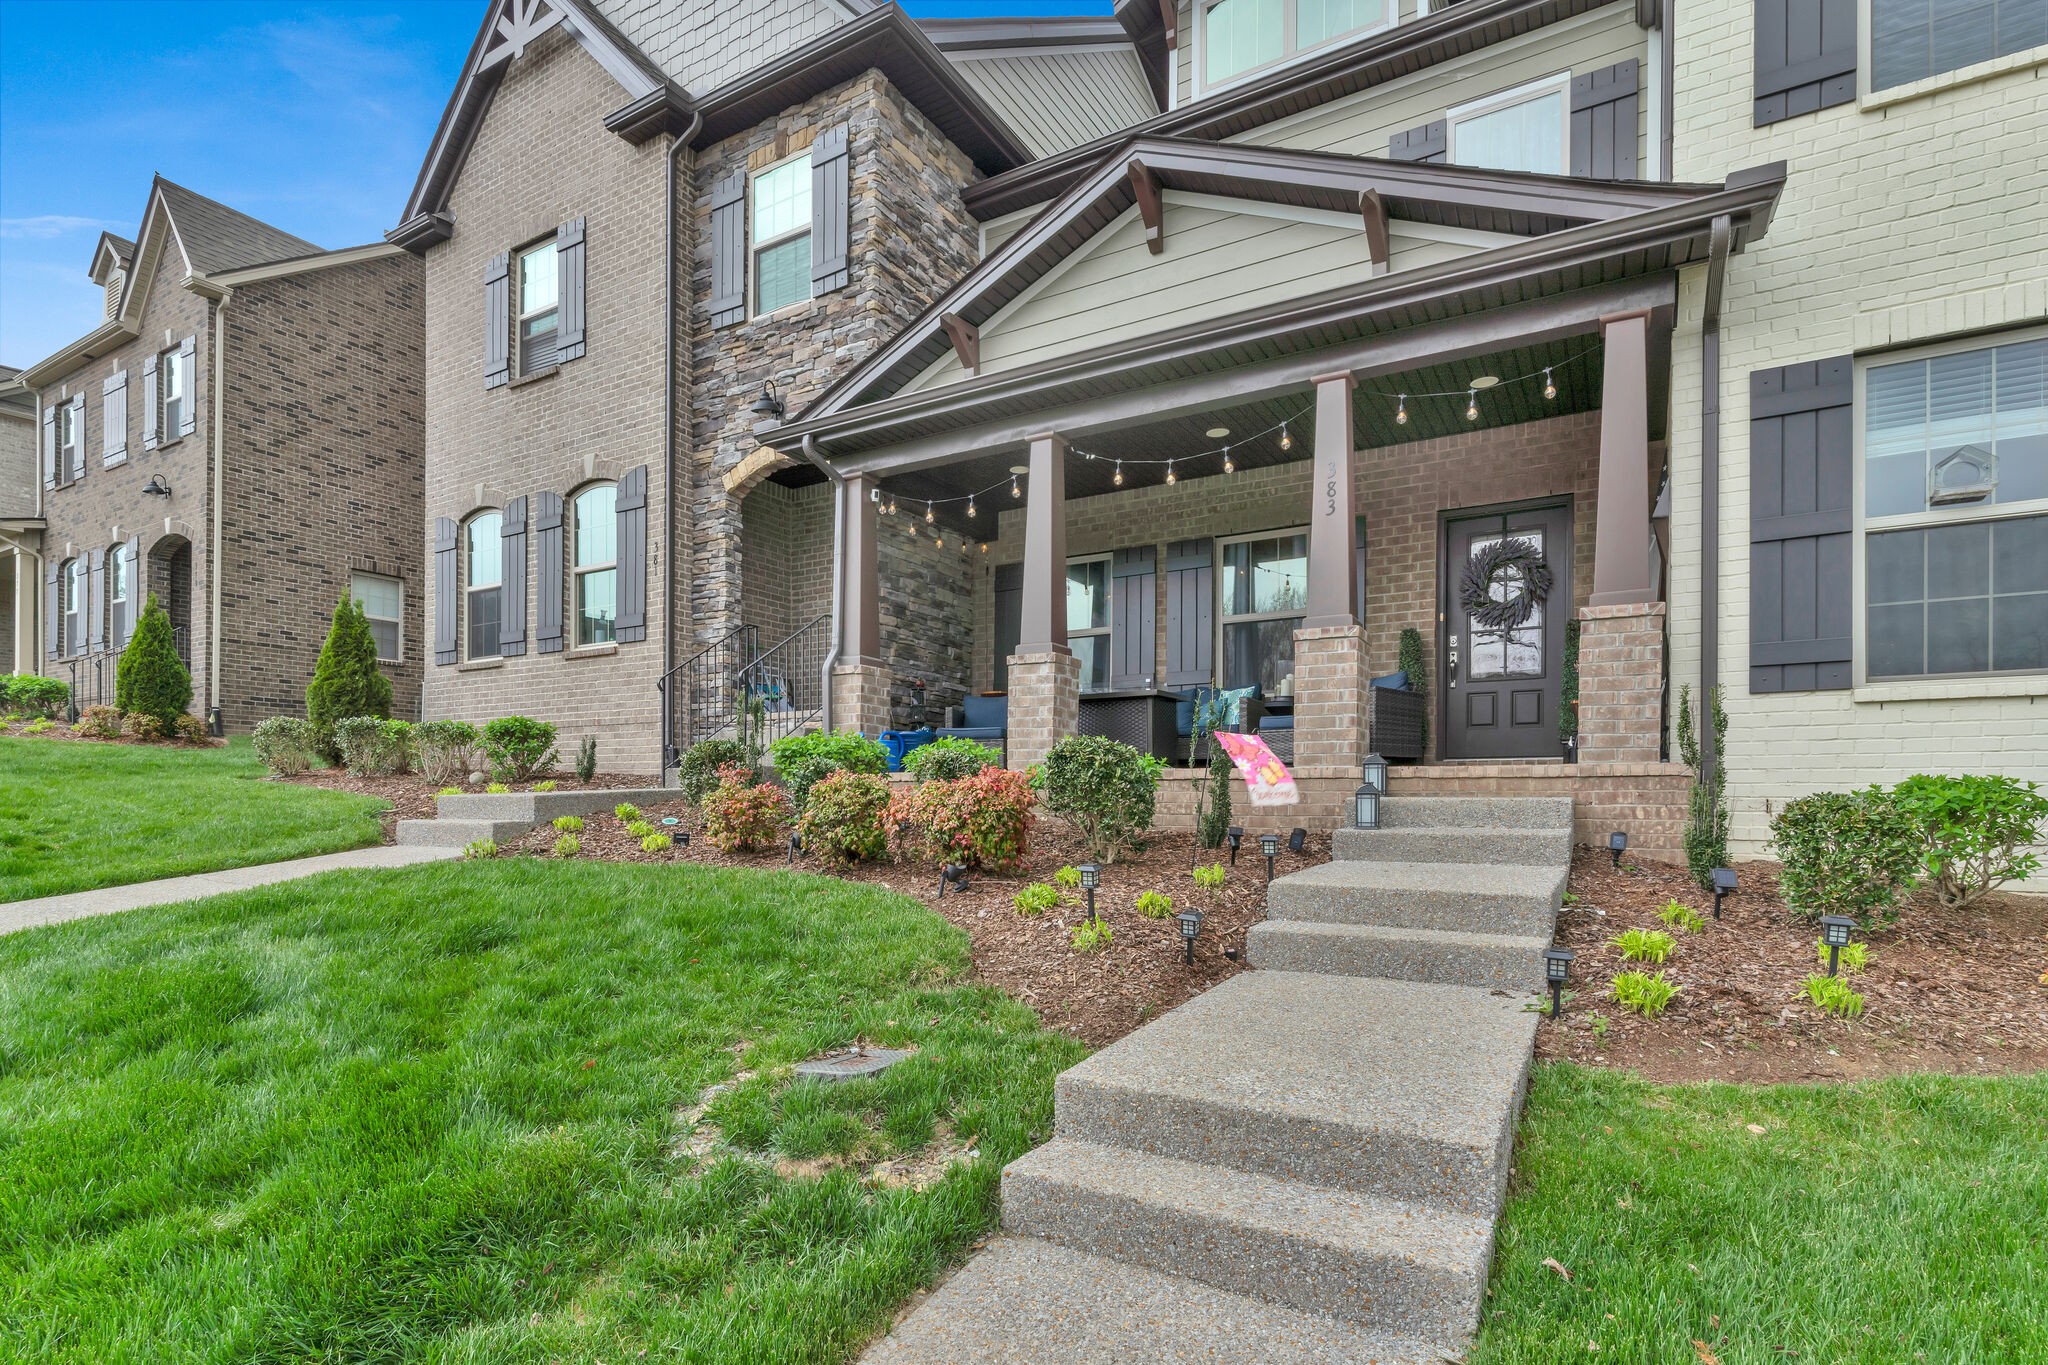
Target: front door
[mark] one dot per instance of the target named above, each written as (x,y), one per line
(1503,677)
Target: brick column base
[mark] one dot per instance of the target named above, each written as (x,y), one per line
(1329,701)
(1621,683)
(1045,704)
(860,698)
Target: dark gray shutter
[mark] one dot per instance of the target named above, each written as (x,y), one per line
(78,436)
(829,211)
(188,410)
(49,446)
(444,591)
(497,320)
(1801,574)
(114,418)
(1134,614)
(729,249)
(1430,142)
(149,402)
(1190,612)
(632,549)
(96,600)
(1805,57)
(53,609)
(569,271)
(1009,590)
(512,548)
(547,573)
(1604,122)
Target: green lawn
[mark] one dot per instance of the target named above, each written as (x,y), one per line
(1892,1221)
(429,1114)
(75,815)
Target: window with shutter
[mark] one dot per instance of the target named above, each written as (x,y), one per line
(1425,143)
(781,234)
(149,402)
(1604,117)
(445,614)
(497,321)
(50,465)
(114,419)
(1801,579)
(1911,40)
(53,610)
(188,414)
(540,308)
(75,595)
(75,450)
(96,601)
(1527,128)
(1133,597)
(595,591)
(632,560)
(512,544)
(1805,57)
(569,247)
(829,211)
(729,249)
(547,573)
(121,588)
(483,584)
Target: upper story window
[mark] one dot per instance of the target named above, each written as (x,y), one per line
(120,569)
(383,602)
(782,234)
(1524,129)
(595,564)
(540,313)
(172,379)
(1265,593)
(1239,37)
(1088,619)
(1911,40)
(70,441)
(483,584)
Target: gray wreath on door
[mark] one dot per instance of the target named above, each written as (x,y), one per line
(1516,567)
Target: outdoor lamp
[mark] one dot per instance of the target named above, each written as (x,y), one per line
(1835,931)
(1234,836)
(1724,885)
(1297,840)
(796,845)
(1616,843)
(156,487)
(1557,969)
(1376,771)
(1091,877)
(1269,844)
(1365,806)
(768,404)
(956,873)
(1190,925)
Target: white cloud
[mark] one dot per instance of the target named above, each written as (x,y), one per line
(46,226)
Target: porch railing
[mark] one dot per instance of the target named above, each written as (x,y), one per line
(784,689)
(91,679)
(698,696)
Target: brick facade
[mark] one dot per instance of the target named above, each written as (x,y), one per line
(1330,679)
(1621,683)
(1045,697)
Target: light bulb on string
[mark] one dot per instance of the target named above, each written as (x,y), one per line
(970,506)
(1549,385)
(1015,490)
(1118,480)
(892,504)
(1401,409)
(1471,405)
(928,517)
(1169,472)
(938,542)
(1286,441)
(1228,466)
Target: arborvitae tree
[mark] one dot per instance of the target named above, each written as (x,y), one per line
(1215,819)
(346,681)
(151,679)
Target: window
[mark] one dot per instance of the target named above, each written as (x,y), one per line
(1241,36)
(1524,129)
(1955,443)
(383,601)
(70,443)
(170,394)
(1088,619)
(596,564)
(74,605)
(1911,40)
(483,583)
(118,572)
(782,235)
(540,294)
(1265,592)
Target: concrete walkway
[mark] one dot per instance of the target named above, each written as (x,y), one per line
(136,895)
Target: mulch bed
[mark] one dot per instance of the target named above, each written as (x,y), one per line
(1950,991)
(1095,997)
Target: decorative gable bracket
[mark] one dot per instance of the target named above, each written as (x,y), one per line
(519,23)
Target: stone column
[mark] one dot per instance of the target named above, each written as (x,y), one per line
(1045,677)
(860,677)
(1329,649)
(1621,683)
(1621,541)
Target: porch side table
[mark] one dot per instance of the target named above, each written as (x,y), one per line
(1140,717)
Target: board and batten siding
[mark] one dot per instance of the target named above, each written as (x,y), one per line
(1056,99)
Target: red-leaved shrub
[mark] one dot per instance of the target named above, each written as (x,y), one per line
(741,815)
(843,817)
(981,820)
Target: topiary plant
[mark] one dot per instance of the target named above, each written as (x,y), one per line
(1107,791)
(1415,663)
(445,749)
(285,745)
(151,679)
(1846,853)
(345,680)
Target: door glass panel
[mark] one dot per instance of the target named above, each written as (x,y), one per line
(1088,595)
(1516,653)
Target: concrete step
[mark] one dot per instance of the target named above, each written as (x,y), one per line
(1409,1269)
(456,833)
(1488,961)
(1398,1088)
(1494,898)
(1455,844)
(1494,812)
(1027,1302)
(538,808)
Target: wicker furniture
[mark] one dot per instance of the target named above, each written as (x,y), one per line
(1140,717)
(1394,722)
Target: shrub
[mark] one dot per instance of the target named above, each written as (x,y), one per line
(285,745)
(1684,917)
(983,820)
(1035,899)
(1091,936)
(151,679)
(371,747)
(568,846)
(1854,958)
(189,729)
(35,695)
(805,772)
(655,843)
(1706,824)
(1212,876)
(1647,995)
(569,824)
(851,750)
(639,829)
(480,848)
(626,812)
(1832,995)
(449,791)
(1212,823)
(1104,789)
(445,749)
(517,747)
(698,772)
(741,814)
(1155,904)
(1643,945)
(846,818)
(1974,831)
(102,722)
(950,759)
(142,729)
(1068,876)
(586,759)
(1848,853)
(346,682)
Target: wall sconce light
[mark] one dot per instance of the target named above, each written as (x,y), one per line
(770,403)
(156,487)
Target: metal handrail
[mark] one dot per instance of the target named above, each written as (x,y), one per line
(697,695)
(785,687)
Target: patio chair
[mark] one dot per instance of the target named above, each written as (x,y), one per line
(985,720)
(1251,713)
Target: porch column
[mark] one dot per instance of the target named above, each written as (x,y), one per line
(1621,541)
(1045,677)
(26,637)
(1329,649)
(860,679)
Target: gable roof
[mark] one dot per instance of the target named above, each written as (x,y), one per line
(216,237)
(110,254)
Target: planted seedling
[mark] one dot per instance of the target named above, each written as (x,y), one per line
(1643,945)
(1091,936)
(1647,995)
(1035,899)
(1155,904)
(1831,995)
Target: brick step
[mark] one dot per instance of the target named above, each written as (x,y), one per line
(456,833)
(1396,1267)
(1026,1302)
(1497,898)
(1455,844)
(1553,813)
(1397,1088)
(1488,961)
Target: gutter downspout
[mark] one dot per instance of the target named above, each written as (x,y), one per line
(668,391)
(838,482)
(214,721)
(38,597)
(1667,56)
(1710,494)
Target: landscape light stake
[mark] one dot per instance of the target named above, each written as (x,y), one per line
(1835,931)
(1091,877)
(1557,969)
(1617,843)
(1724,886)
(956,873)
(1269,844)
(1190,925)
(1297,841)
(1234,838)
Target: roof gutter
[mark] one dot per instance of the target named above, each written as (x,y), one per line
(676,149)
(1710,493)
(838,481)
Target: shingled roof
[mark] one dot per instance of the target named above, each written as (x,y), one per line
(217,238)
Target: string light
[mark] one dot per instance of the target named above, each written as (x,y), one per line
(1471,405)
(1169,472)
(1401,409)
(1549,385)
(938,542)
(1119,479)
(1230,468)
(1015,491)
(892,504)
(928,511)
(970,506)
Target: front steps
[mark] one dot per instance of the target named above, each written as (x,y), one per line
(499,816)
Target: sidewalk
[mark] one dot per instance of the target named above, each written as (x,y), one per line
(135,896)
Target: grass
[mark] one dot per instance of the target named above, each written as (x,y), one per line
(430,1113)
(75,816)
(1890,1221)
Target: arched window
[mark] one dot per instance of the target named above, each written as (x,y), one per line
(74,605)
(483,583)
(120,574)
(595,564)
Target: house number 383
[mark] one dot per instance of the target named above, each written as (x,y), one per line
(1330,489)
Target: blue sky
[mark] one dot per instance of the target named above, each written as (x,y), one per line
(311,116)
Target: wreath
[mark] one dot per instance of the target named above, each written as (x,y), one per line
(1500,565)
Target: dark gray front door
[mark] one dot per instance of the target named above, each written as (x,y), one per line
(1502,687)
